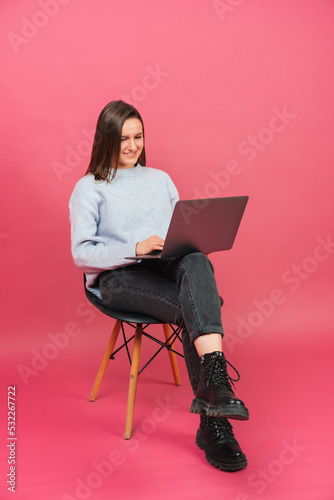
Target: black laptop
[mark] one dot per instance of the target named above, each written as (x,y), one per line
(204,225)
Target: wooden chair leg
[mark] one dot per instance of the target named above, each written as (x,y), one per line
(105,360)
(172,355)
(133,381)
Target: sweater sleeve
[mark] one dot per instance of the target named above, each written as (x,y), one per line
(91,252)
(173,193)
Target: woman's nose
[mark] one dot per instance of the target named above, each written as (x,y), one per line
(132,144)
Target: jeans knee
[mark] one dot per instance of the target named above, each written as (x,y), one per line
(197,260)
(195,257)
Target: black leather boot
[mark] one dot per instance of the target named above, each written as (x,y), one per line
(214,395)
(215,436)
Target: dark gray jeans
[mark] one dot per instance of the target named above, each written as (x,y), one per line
(181,291)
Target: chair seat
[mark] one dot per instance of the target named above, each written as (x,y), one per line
(127,317)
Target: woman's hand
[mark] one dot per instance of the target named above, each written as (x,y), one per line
(152,243)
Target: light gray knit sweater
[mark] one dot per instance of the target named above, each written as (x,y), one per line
(108,219)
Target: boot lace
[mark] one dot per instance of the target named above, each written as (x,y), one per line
(219,425)
(217,371)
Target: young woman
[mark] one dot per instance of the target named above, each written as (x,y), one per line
(122,208)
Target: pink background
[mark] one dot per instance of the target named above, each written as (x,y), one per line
(211,80)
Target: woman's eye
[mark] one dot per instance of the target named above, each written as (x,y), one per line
(140,137)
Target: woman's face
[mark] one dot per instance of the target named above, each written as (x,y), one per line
(132,143)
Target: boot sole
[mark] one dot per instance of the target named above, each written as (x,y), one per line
(227,467)
(228,411)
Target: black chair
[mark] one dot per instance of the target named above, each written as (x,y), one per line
(139,322)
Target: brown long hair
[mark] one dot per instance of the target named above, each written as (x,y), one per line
(107,141)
